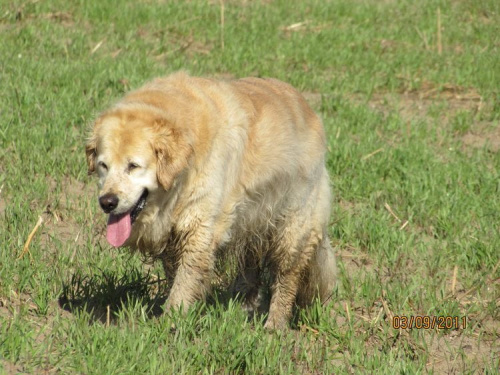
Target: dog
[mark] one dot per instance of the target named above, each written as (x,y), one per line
(194,169)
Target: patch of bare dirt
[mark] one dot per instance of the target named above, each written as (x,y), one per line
(22,13)
(168,42)
(482,136)
(419,103)
(70,200)
(457,353)
(66,217)
(9,368)
(441,109)
(64,18)
(355,261)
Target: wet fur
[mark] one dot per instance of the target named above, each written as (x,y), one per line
(231,167)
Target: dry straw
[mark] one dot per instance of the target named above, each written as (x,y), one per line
(439,39)
(222,23)
(30,238)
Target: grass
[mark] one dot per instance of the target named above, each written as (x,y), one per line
(413,156)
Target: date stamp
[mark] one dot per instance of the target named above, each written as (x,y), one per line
(429,322)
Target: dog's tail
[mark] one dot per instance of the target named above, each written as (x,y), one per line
(321,276)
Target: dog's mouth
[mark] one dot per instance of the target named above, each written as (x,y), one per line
(139,206)
(120,225)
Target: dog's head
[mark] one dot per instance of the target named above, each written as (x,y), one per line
(137,153)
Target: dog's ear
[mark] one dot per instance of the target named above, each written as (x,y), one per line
(173,150)
(91,146)
(91,152)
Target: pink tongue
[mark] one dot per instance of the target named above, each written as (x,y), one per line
(119,228)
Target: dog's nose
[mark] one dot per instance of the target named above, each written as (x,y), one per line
(108,202)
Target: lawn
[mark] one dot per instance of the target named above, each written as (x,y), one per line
(409,93)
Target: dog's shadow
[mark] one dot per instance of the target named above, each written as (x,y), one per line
(103,296)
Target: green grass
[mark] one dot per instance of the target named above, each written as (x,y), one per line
(413,156)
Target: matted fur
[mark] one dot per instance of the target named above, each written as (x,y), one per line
(234,165)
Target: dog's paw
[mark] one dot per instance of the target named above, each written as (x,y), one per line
(252,301)
(276,324)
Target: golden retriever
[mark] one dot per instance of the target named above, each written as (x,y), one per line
(191,169)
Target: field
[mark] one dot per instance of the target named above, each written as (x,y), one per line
(409,93)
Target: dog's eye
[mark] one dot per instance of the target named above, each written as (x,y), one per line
(132,166)
(102,165)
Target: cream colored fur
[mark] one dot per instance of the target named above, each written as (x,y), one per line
(232,167)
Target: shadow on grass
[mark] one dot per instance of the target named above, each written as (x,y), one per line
(98,294)
(105,292)
(105,295)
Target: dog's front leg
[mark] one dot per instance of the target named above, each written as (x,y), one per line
(195,268)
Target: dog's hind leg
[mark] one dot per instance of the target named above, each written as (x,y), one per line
(302,262)
(288,260)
